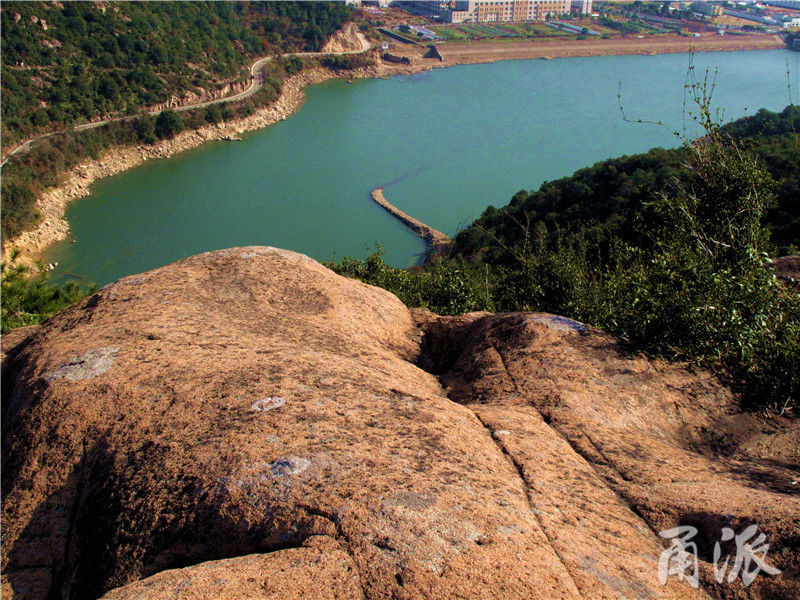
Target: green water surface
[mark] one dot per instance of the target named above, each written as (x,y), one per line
(444,144)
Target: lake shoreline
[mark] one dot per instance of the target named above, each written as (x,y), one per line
(53,202)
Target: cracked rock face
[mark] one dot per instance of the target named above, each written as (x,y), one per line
(246,424)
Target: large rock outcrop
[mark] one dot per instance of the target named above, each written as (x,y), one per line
(246,424)
(348,39)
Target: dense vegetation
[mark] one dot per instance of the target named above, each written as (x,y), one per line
(30,300)
(71,62)
(608,201)
(137,54)
(668,249)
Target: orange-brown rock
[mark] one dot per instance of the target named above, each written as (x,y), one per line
(669,442)
(246,424)
(787,269)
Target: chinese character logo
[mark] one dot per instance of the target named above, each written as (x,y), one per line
(750,556)
(680,559)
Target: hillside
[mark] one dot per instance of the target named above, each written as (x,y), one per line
(668,249)
(73,62)
(153,55)
(607,200)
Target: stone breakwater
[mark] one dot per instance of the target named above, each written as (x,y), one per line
(436,241)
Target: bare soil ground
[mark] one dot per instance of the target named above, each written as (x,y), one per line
(474,52)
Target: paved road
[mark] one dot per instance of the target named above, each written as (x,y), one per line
(256,83)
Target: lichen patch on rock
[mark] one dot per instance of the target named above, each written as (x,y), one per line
(86,366)
(289,465)
(268,403)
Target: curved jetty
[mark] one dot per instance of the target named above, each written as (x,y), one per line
(436,241)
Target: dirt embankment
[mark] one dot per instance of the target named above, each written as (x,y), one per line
(480,52)
(347,39)
(228,89)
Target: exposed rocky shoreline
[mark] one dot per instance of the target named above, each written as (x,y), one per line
(53,202)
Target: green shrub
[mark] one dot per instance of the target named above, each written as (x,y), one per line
(444,287)
(18,211)
(168,124)
(31,300)
(705,291)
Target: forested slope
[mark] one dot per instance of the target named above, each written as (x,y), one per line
(77,61)
(608,200)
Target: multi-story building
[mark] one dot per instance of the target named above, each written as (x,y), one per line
(487,11)
(518,10)
(582,7)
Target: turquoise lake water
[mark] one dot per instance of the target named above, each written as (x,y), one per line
(444,144)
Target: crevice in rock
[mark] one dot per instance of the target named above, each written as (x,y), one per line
(622,498)
(341,537)
(505,368)
(442,345)
(60,572)
(451,339)
(521,474)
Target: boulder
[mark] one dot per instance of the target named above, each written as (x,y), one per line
(247,424)
(670,442)
(787,269)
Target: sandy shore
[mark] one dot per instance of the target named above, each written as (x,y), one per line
(52,203)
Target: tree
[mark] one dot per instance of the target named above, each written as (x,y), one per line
(145,128)
(704,291)
(30,300)
(168,123)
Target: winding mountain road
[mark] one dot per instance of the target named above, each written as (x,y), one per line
(256,83)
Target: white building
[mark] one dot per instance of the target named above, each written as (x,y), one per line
(490,11)
(582,7)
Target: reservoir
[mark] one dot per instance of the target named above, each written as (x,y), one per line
(443,144)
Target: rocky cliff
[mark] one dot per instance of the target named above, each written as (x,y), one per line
(246,424)
(348,39)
